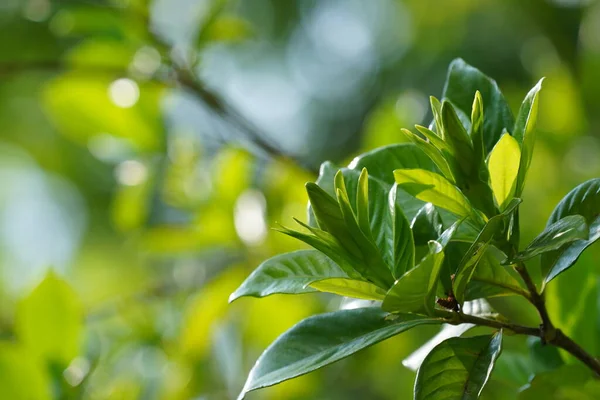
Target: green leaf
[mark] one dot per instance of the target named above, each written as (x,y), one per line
(568,382)
(436,109)
(288,273)
(23,377)
(327,172)
(524,132)
(49,322)
(349,288)
(477,135)
(383,161)
(462,82)
(583,200)
(415,290)
(399,252)
(458,368)
(503,165)
(560,233)
(362,201)
(323,339)
(328,245)
(475,252)
(458,139)
(433,138)
(544,358)
(328,214)
(426,225)
(432,152)
(491,278)
(377,271)
(433,188)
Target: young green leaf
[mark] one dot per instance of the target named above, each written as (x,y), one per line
(432,152)
(458,368)
(382,161)
(477,135)
(49,322)
(288,273)
(433,188)
(349,288)
(436,109)
(503,165)
(462,82)
(583,200)
(524,132)
(415,290)
(328,214)
(560,233)
(327,172)
(433,138)
(328,245)
(458,139)
(362,201)
(399,252)
(323,339)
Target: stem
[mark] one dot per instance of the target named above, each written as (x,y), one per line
(456,318)
(564,342)
(547,329)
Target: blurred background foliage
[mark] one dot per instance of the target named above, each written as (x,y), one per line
(147,148)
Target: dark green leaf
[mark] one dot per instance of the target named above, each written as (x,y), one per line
(560,233)
(491,278)
(288,273)
(583,200)
(383,161)
(462,82)
(426,225)
(399,252)
(544,357)
(569,382)
(458,368)
(458,140)
(415,290)
(323,339)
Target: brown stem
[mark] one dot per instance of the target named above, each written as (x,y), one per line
(566,343)
(547,329)
(456,318)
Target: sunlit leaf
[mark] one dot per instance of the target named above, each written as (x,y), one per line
(432,152)
(21,375)
(503,165)
(415,290)
(323,339)
(349,288)
(49,321)
(433,188)
(288,273)
(560,233)
(458,139)
(458,368)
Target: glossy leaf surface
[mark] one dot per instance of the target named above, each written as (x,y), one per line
(458,368)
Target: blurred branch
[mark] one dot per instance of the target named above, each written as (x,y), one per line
(185,79)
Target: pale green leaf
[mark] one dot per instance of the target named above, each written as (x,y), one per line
(503,165)
(49,321)
(433,188)
(349,288)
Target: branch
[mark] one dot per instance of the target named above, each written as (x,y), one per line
(186,80)
(457,318)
